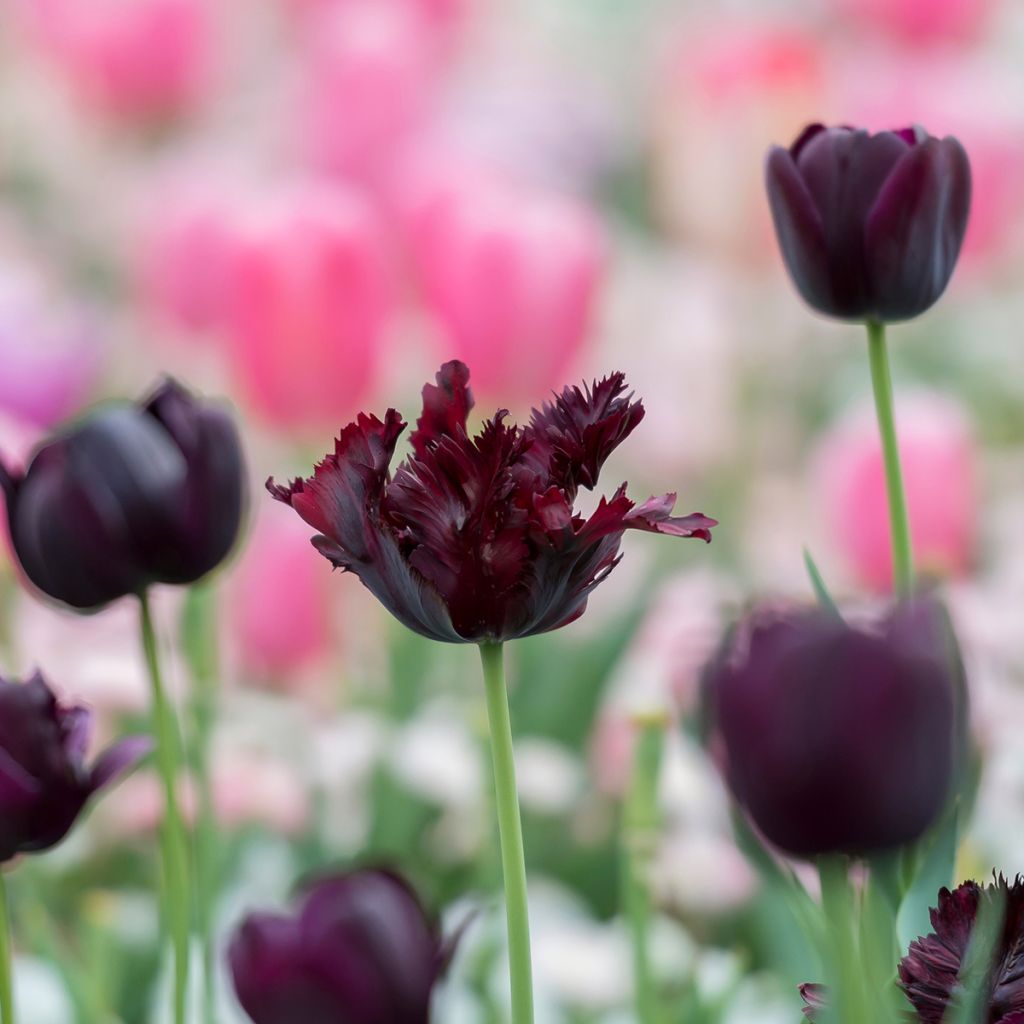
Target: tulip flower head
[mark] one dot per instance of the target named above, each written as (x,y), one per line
(870,226)
(835,739)
(134,494)
(360,950)
(929,973)
(44,780)
(475,539)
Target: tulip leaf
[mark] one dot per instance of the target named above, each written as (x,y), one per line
(936,862)
(821,591)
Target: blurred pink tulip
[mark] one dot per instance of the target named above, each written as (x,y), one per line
(132,59)
(369,74)
(248,788)
(511,275)
(728,91)
(309,297)
(49,355)
(183,254)
(938,456)
(279,601)
(444,16)
(920,21)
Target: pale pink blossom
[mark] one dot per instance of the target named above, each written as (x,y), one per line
(278,602)
(510,274)
(248,788)
(920,21)
(370,70)
(441,16)
(50,352)
(182,252)
(131,59)
(939,472)
(729,89)
(309,298)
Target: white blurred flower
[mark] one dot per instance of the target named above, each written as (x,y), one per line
(549,776)
(39,993)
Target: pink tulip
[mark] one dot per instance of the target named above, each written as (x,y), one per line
(132,59)
(920,21)
(370,73)
(279,601)
(49,354)
(443,16)
(183,253)
(938,456)
(727,90)
(511,276)
(308,299)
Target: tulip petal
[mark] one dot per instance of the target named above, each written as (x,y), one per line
(118,760)
(343,500)
(446,407)
(800,230)
(916,228)
(572,437)
(655,516)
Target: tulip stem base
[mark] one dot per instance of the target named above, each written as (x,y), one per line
(510,830)
(173,840)
(6,980)
(899,520)
(641,821)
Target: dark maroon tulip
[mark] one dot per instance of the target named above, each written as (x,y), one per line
(476,539)
(835,739)
(44,781)
(132,495)
(870,226)
(928,973)
(359,950)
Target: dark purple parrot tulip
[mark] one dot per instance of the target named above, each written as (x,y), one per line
(928,974)
(134,494)
(44,780)
(836,739)
(359,950)
(475,539)
(870,226)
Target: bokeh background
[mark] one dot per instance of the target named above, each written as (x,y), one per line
(305,206)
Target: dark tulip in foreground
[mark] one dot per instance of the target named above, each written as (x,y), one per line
(870,226)
(134,494)
(44,780)
(475,539)
(359,950)
(928,973)
(836,739)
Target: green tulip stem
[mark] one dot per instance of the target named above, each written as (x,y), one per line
(881,380)
(510,831)
(641,821)
(173,839)
(6,981)
(844,972)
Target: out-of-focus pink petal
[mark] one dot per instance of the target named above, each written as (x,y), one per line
(939,473)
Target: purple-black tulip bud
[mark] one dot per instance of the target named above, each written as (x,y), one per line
(44,780)
(870,226)
(359,950)
(134,494)
(836,739)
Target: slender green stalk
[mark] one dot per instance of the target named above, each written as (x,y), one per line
(199,642)
(6,980)
(845,973)
(640,831)
(881,380)
(176,892)
(510,830)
